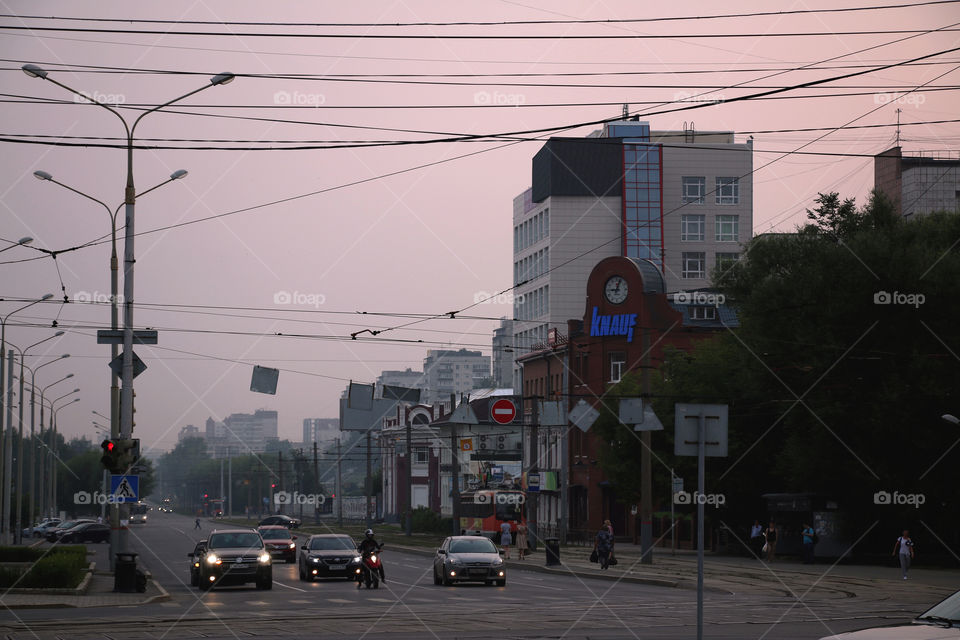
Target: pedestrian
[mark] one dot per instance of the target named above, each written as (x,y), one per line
(196,523)
(505,539)
(521,540)
(603,545)
(609,526)
(770,534)
(756,538)
(904,546)
(806,539)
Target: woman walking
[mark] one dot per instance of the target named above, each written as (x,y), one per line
(505,539)
(904,546)
(521,540)
(603,545)
(771,544)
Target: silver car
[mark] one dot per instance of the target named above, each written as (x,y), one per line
(937,623)
(469,559)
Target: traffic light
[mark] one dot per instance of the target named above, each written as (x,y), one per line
(111,453)
(120,455)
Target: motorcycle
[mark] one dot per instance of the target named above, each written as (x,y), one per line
(369,571)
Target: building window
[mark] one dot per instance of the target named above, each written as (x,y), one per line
(728,228)
(692,227)
(703,313)
(693,189)
(618,365)
(724,260)
(728,190)
(694,264)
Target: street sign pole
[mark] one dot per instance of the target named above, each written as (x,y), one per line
(701,454)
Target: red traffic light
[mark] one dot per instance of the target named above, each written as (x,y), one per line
(273,486)
(108,445)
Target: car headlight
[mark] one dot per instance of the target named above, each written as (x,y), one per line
(213,559)
(498,562)
(293,545)
(264,558)
(454,560)
(357,558)
(314,559)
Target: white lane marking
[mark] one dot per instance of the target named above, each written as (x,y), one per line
(381,600)
(300,601)
(256,603)
(340,601)
(286,586)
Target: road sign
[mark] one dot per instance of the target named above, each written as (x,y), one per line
(110,336)
(138,365)
(264,380)
(583,415)
(686,423)
(677,484)
(125,488)
(466,444)
(533,482)
(503,411)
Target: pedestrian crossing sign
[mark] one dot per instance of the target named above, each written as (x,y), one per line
(124,488)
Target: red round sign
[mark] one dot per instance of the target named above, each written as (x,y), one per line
(503,411)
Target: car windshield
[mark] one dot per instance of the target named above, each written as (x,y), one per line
(68,524)
(275,534)
(949,609)
(234,540)
(478,545)
(332,544)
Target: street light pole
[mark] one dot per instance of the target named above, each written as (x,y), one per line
(33,413)
(53,440)
(119,543)
(42,489)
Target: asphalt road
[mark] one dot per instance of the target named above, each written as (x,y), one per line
(409,605)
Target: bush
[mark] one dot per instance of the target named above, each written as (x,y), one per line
(61,568)
(427,521)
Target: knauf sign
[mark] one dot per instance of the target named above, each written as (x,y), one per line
(619,325)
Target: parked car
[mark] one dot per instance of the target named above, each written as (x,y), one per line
(280,519)
(933,624)
(235,556)
(279,542)
(195,557)
(468,558)
(53,534)
(86,532)
(328,555)
(39,530)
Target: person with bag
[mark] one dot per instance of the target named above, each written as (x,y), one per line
(904,546)
(770,547)
(603,546)
(521,541)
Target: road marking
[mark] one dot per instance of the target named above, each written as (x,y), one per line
(280,584)
(340,601)
(300,601)
(381,600)
(258,603)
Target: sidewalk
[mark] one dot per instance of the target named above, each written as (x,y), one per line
(99,594)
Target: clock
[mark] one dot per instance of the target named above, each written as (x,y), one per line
(615,289)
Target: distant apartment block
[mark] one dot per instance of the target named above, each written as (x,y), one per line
(320,430)
(241,433)
(452,372)
(918,184)
(188,431)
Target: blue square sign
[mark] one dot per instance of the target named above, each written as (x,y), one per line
(124,488)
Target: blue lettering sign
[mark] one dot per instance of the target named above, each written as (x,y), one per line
(616,325)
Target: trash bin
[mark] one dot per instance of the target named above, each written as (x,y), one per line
(552,548)
(125,573)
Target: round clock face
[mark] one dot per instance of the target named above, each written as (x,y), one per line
(616,289)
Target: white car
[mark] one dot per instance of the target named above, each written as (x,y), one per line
(940,622)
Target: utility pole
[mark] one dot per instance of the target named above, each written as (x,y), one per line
(409,474)
(316,484)
(230,483)
(532,468)
(339,488)
(646,487)
(369,481)
(7,451)
(455,480)
(221,487)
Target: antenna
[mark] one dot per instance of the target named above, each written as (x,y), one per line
(626,110)
(898,126)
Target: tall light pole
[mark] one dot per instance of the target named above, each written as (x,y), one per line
(119,543)
(33,413)
(41,490)
(7,458)
(53,443)
(18,532)
(19,243)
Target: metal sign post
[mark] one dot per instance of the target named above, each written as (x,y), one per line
(683,446)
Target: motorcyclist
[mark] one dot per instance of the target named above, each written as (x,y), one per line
(369,544)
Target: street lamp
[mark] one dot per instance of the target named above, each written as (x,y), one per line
(33,412)
(114,322)
(119,543)
(41,491)
(18,532)
(7,458)
(53,443)
(19,243)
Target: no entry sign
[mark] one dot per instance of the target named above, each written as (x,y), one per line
(503,411)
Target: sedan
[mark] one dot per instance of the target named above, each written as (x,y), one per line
(328,555)
(54,534)
(195,556)
(86,532)
(281,520)
(468,558)
(235,556)
(939,622)
(279,541)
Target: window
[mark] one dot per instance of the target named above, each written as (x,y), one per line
(421,455)
(728,228)
(692,227)
(618,365)
(724,260)
(703,313)
(693,189)
(694,264)
(728,190)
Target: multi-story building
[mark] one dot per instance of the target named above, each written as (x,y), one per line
(188,431)
(408,379)
(918,184)
(320,430)
(452,372)
(680,199)
(503,355)
(241,433)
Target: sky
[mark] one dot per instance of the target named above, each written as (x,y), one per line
(267,255)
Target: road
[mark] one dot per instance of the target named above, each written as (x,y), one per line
(409,605)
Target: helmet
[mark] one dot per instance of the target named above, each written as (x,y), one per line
(369,533)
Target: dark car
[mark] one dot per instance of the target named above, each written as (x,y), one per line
(328,555)
(469,558)
(279,541)
(86,532)
(235,556)
(195,557)
(281,520)
(54,534)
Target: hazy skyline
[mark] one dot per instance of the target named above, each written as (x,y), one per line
(422,241)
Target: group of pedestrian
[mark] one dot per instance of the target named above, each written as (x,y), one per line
(603,545)
(763,540)
(506,539)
